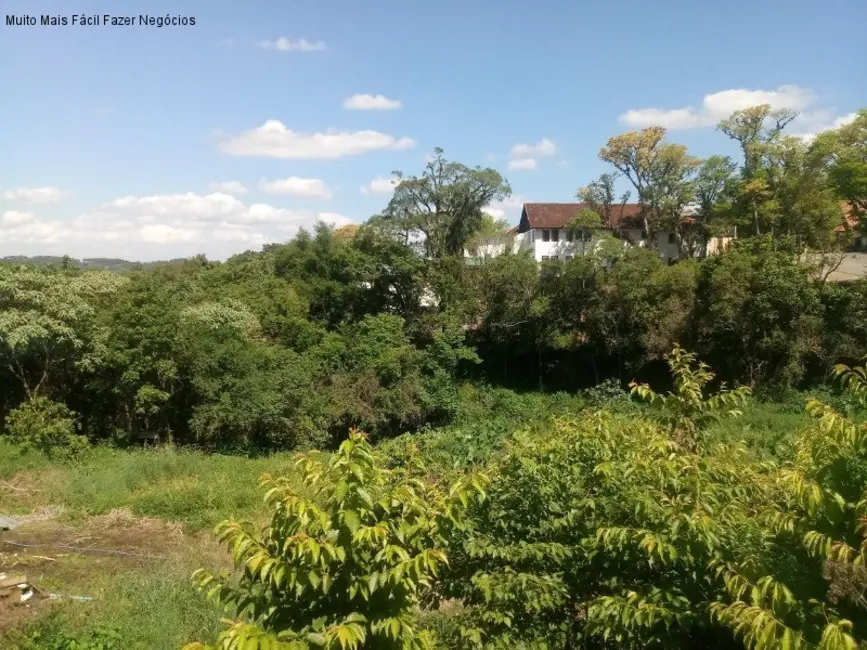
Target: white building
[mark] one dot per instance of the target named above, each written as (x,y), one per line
(544,231)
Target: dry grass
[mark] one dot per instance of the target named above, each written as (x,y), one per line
(147,595)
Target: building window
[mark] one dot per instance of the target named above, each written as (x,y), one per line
(546,258)
(555,235)
(546,235)
(671,238)
(568,235)
(569,258)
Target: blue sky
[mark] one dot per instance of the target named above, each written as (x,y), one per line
(119,141)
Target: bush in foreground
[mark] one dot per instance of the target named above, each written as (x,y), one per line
(348,568)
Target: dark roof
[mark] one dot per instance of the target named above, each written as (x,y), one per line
(558,215)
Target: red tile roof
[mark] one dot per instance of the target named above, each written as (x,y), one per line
(558,215)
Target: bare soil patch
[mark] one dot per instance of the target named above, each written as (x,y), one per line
(80,559)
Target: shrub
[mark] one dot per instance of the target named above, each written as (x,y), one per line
(49,637)
(47,426)
(346,569)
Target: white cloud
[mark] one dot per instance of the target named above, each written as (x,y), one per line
(310,188)
(718,106)
(544,147)
(229,187)
(525,156)
(158,227)
(380,186)
(163,234)
(361,102)
(13,218)
(811,124)
(523,164)
(275,140)
(285,44)
(509,208)
(34,194)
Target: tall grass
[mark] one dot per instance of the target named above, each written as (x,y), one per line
(195,488)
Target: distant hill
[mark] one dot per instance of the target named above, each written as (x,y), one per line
(106,263)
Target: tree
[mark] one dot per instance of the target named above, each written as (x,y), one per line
(517,311)
(758,315)
(755,129)
(799,182)
(584,225)
(346,567)
(712,189)
(47,324)
(686,411)
(493,233)
(845,151)
(662,174)
(599,197)
(328,272)
(445,204)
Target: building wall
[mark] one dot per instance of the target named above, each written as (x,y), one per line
(562,249)
(718,244)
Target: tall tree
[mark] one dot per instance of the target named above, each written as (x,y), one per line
(755,129)
(713,181)
(662,174)
(599,195)
(47,323)
(444,206)
(845,150)
(808,207)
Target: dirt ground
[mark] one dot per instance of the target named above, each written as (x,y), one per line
(53,567)
(854,266)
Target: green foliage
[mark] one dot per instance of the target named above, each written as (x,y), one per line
(845,152)
(758,314)
(192,487)
(686,410)
(47,426)
(47,325)
(604,533)
(345,569)
(445,203)
(97,638)
(854,380)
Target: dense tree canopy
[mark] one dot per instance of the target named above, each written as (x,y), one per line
(375,326)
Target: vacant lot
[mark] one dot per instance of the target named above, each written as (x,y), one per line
(125,530)
(853,267)
(141,588)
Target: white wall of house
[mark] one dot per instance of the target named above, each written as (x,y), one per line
(562,249)
(666,245)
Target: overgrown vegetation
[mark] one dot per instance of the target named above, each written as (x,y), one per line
(374,326)
(511,493)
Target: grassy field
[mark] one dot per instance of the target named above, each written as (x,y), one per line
(159,504)
(162,504)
